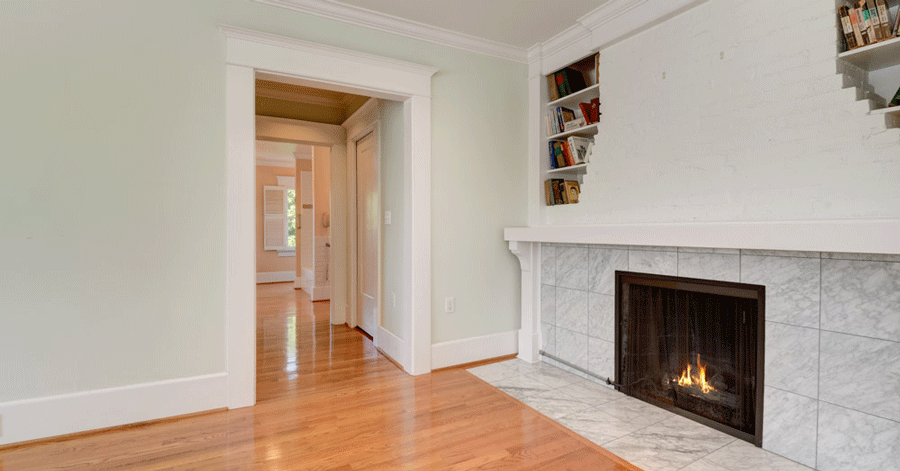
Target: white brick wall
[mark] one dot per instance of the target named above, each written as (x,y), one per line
(736,111)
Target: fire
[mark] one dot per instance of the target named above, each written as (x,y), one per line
(697,381)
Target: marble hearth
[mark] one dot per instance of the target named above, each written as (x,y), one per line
(832,381)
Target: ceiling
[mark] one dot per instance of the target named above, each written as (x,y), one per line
(517,23)
(285,100)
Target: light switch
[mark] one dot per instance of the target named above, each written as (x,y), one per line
(387,218)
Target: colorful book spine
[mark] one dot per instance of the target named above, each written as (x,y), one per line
(847,27)
(863,15)
(854,22)
(884,16)
(553,163)
(896,31)
(548,191)
(874,21)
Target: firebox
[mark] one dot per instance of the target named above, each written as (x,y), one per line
(694,347)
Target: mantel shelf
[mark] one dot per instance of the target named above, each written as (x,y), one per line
(874,56)
(875,236)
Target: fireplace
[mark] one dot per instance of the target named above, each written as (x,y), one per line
(694,347)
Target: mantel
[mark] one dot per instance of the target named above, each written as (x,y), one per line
(879,236)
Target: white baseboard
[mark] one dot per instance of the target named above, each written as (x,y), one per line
(393,347)
(43,417)
(321,293)
(458,352)
(274,276)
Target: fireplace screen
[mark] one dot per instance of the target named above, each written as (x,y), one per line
(694,347)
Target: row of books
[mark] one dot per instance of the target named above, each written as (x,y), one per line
(571,151)
(561,191)
(867,22)
(562,119)
(565,82)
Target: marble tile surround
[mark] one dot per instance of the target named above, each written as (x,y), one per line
(828,315)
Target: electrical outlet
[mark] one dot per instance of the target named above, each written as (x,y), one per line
(450,304)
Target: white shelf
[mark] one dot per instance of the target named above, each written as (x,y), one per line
(589,130)
(894,110)
(590,92)
(874,56)
(577,168)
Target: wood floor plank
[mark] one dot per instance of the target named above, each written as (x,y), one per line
(328,400)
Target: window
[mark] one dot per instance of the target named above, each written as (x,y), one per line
(280,217)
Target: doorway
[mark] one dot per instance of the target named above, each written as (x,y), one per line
(249,51)
(368,239)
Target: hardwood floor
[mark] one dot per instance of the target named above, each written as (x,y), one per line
(327,400)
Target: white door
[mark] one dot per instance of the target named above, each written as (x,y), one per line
(367,209)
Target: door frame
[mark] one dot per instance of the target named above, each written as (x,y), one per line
(352,200)
(247,52)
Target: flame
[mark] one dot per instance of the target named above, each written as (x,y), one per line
(696,381)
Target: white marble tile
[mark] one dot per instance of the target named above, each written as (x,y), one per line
(710,266)
(603,265)
(669,445)
(597,426)
(572,310)
(521,386)
(789,425)
(553,405)
(792,287)
(572,267)
(601,357)
(792,358)
(548,338)
(870,257)
(709,250)
(704,465)
(636,411)
(572,347)
(522,367)
(493,372)
(861,298)
(780,253)
(548,304)
(853,440)
(554,377)
(590,392)
(602,316)
(647,261)
(742,456)
(861,373)
(548,264)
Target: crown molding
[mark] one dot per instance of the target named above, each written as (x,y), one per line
(391,24)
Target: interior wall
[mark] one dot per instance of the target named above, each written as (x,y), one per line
(93,263)
(394,258)
(734,123)
(305,250)
(269,260)
(322,193)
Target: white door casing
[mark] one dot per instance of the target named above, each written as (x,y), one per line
(337,69)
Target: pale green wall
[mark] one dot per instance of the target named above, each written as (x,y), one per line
(393,200)
(112,177)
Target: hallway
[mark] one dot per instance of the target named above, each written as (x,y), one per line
(328,400)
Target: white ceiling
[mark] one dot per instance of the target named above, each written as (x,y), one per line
(517,23)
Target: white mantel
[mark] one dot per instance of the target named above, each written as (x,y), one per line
(879,236)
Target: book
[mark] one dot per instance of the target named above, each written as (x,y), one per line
(854,23)
(580,147)
(573,79)
(847,27)
(563,115)
(896,31)
(571,190)
(595,109)
(548,191)
(586,112)
(557,191)
(896,100)
(884,16)
(862,15)
(567,152)
(562,192)
(560,84)
(553,92)
(553,163)
(574,124)
(874,21)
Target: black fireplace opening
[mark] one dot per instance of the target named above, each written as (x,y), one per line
(694,347)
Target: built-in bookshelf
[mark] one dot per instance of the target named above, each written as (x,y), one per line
(571,119)
(872,45)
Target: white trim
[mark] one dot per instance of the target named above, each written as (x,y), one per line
(248,51)
(393,346)
(877,236)
(458,352)
(275,276)
(269,159)
(400,26)
(320,293)
(287,253)
(289,182)
(43,417)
